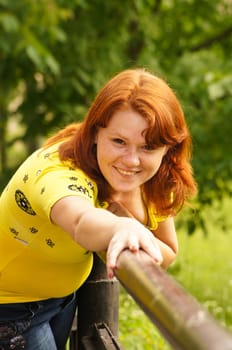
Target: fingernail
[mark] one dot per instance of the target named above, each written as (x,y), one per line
(110,275)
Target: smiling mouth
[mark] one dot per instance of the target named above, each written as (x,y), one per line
(126,172)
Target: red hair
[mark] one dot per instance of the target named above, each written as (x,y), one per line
(153,99)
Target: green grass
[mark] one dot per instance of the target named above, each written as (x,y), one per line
(136,332)
(203,268)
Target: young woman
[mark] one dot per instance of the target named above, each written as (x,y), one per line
(132,150)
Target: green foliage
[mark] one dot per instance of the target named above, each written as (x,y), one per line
(56,54)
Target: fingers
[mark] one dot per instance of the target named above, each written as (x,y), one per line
(146,241)
(114,249)
(153,251)
(150,245)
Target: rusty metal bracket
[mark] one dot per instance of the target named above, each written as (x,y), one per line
(99,337)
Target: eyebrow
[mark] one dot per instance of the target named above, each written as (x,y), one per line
(117,134)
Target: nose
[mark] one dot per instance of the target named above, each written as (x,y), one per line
(131,158)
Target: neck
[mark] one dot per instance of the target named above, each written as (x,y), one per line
(134,203)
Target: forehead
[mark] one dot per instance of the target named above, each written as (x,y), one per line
(127,120)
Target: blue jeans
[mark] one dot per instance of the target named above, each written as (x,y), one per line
(44,325)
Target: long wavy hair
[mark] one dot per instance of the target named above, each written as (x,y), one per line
(154,100)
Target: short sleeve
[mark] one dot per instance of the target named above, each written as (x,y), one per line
(54,184)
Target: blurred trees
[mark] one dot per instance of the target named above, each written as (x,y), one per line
(56,54)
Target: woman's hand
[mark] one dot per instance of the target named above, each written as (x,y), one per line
(163,239)
(130,234)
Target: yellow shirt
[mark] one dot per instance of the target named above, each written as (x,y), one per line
(39,260)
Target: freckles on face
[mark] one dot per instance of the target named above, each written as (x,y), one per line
(125,160)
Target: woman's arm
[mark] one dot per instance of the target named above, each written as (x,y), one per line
(98,229)
(167,240)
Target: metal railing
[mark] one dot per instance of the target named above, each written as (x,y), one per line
(183,322)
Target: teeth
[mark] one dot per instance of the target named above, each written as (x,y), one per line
(125,172)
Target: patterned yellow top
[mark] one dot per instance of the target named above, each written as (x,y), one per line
(39,260)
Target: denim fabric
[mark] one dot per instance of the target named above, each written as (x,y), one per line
(48,322)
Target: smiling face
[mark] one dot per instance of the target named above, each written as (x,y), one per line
(124,158)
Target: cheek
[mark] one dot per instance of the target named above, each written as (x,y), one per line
(103,151)
(104,156)
(107,151)
(154,164)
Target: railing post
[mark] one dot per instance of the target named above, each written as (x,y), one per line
(98,302)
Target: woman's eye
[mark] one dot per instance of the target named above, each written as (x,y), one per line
(119,141)
(148,147)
